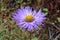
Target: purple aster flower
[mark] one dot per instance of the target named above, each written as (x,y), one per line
(29,19)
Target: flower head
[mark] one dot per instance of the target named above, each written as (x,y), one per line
(29,19)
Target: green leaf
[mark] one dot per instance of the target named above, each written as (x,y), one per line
(19,1)
(35,38)
(45,9)
(38,0)
(58,19)
(2,33)
(29,1)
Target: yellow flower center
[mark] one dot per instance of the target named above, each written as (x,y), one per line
(29,18)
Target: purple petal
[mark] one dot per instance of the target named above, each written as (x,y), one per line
(40,11)
(30,28)
(24,26)
(27,10)
(34,12)
(20,23)
(36,27)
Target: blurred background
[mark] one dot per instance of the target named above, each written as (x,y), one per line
(9,29)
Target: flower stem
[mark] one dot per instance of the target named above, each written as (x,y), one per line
(30,36)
